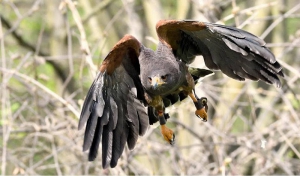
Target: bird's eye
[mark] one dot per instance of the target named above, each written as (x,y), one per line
(164,77)
(204,101)
(150,79)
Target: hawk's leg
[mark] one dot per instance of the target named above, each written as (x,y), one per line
(157,103)
(201,106)
(167,133)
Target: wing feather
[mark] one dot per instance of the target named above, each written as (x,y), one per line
(87,106)
(107,144)
(143,117)
(96,141)
(114,109)
(120,136)
(90,131)
(133,124)
(237,53)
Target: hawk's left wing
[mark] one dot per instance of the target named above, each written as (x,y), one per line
(235,52)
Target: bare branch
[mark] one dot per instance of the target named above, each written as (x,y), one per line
(45,89)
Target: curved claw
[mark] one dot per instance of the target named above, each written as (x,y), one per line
(172,141)
(168,134)
(201,113)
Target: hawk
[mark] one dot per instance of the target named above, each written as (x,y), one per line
(135,84)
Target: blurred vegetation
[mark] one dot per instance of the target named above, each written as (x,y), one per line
(49,54)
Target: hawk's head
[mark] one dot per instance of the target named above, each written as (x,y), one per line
(162,77)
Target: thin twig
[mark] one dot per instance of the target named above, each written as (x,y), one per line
(59,70)
(3,105)
(44,88)
(279,20)
(33,8)
(84,44)
(55,157)
(101,5)
(284,64)
(70,57)
(245,11)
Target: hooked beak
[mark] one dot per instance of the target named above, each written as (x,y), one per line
(156,82)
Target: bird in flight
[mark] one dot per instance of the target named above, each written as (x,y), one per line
(135,84)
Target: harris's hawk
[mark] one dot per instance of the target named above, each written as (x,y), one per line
(135,84)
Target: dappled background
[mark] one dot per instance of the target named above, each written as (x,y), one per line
(50,51)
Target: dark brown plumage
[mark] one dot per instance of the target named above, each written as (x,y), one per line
(135,84)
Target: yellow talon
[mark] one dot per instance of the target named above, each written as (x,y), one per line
(201,113)
(167,134)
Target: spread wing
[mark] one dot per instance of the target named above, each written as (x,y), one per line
(235,52)
(114,107)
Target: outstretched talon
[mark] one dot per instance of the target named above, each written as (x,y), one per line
(168,134)
(201,106)
(201,114)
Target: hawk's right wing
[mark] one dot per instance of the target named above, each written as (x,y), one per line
(114,108)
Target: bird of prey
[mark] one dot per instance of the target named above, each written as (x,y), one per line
(135,84)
